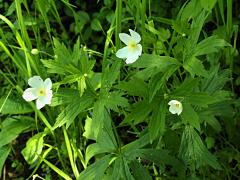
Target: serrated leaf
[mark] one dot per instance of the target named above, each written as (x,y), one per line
(192,150)
(200,99)
(96,170)
(78,105)
(209,45)
(157,122)
(33,148)
(190,116)
(195,67)
(157,156)
(64,96)
(115,99)
(158,81)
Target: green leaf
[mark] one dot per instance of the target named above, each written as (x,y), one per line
(139,143)
(4,151)
(189,115)
(152,60)
(121,169)
(102,132)
(139,172)
(157,156)
(115,100)
(157,122)
(14,105)
(110,74)
(88,131)
(64,96)
(209,45)
(158,81)
(134,87)
(78,105)
(97,169)
(186,87)
(34,147)
(12,127)
(96,25)
(208,4)
(139,112)
(195,67)
(200,99)
(193,151)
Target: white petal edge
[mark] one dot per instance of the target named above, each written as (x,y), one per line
(35,81)
(122,53)
(40,103)
(135,36)
(48,97)
(125,38)
(30,94)
(48,83)
(172,102)
(131,59)
(139,49)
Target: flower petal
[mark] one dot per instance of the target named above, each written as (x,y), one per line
(135,36)
(139,49)
(35,81)
(173,102)
(125,38)
(40,103)
(132,58)
(48,97)
(122,53)
(30,94)
(48,83)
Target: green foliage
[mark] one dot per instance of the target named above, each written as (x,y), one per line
(111,120)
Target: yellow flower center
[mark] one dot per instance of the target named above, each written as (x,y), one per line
(132,46)
(41,92)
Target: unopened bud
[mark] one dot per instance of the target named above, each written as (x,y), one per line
(34,51)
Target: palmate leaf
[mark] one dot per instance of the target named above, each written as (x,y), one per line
(193,151)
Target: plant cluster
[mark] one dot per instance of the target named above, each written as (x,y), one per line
(119,89)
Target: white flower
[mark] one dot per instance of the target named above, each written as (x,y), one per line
(175,107)
(133,50)
(41,91)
